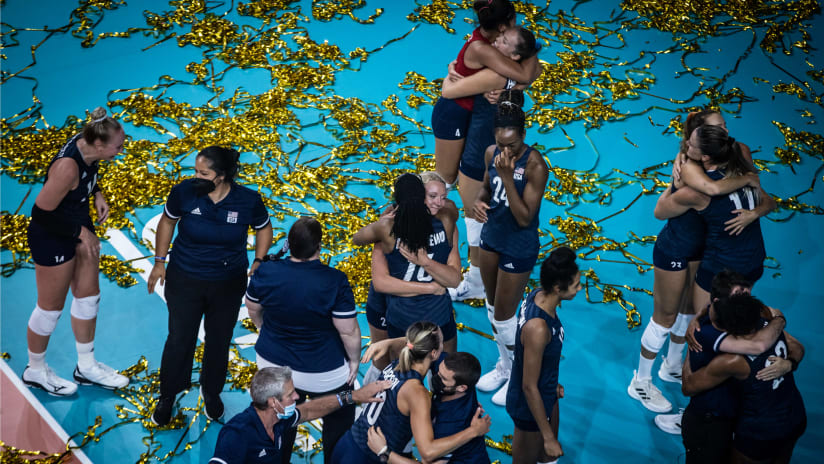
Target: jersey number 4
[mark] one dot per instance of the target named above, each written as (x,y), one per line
(500,192)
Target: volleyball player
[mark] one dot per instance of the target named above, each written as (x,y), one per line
(66,254)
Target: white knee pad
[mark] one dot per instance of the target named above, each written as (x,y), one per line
(473,231)
(679,329)
(43,322)
(85,308)
(654,336)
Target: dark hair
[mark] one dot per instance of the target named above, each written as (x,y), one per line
(509,112)
(694,120)
(723,283)
(559,268)
(222,160)
(412,224)
(304,237)
(494,13)
(739,314)
(526,47)
(722,149)
(423,336)
(466,367)
(101,127)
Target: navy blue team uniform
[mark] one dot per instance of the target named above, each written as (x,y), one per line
(772,416)
(516,405)
(51,245)
(300,301)
(206,276)
(376,308)
(680,241)
(403,311)
(454,416)
(516,246)
(743,253)
(243,440)
(709,419)
(353,448)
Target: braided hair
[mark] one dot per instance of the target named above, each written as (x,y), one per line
(412,224)
(509,113)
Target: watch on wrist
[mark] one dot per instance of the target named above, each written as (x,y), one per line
(384,456)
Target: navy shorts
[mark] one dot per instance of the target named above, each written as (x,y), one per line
(662,260)
(512,264)
(450,121)
(48,249)
(704,276)
(759,449)
(376,308)
(449,330)
(529,425)
(480,136)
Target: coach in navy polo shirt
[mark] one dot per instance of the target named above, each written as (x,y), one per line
(255,435)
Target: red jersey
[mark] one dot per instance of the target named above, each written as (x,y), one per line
(468,102)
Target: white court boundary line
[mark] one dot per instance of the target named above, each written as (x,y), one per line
(44,413)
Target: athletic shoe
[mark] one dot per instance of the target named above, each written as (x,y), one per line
(493,379)
(162,414)
(670,423)
(467,289)
(101,375)
(499,397)
(47,380)
(669,373)
(213,407)
(648,394)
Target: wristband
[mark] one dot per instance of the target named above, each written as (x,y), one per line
(257,260)
(340,402)
(383,455)
(160,259)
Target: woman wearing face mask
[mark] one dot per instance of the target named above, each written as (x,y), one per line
(206,274)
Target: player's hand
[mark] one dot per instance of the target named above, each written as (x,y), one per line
(453,75)
(479,211)
(354,364)
(253,268)
(158,273)
(366,393)
(505,164)
(419,258)
(753,180)
(778,366)
(553,448)
(376,350)
(437,289)
(492,96)
(389,212)
(480,423)
(89,245)
(679,161)
(692,342)
(375,439)
(101,207)
(559,391)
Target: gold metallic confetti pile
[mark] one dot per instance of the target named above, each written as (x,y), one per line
(587,77)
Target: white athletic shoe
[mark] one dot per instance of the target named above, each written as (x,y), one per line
(47,380)
(670,423)
(493,379)
(467,289)
(101,375)
(648,394)
(669,373)
(499,397)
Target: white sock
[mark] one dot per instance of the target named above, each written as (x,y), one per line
(85,354)
(549,462)
(645,368)
(474,275)
(674,354)
(37,361)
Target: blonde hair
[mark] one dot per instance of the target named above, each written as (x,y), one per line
(423,337)
(429,176)
(101,127)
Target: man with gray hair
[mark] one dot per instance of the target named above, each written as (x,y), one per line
(254,435)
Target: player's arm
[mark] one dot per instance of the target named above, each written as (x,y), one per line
(489,56)
(525,208)
(327,404)
(671,204)
(757,344)
(385,283)
(694,176)
(372,233)
(480,82)
(535,336)
(721,368)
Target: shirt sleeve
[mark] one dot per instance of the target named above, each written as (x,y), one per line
(230,448)
(345,301)
(260,215)
(174,204)
(253,293)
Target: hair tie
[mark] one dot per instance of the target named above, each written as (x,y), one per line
(410,346)
(482,8)
(507,102)
(285,246)
(95,121)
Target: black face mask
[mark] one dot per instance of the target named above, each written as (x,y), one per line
(439,389)
(203,186)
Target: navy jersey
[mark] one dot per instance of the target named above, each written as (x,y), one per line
(403,311)
(722,400)
(299,301)
(243,440)
(211,237)
(516,405)
(682,236)
(451,417)
(743,253)
(771,409)
(394,425)
(501,231)
(74,207)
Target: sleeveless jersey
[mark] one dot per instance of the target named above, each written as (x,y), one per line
(743,253)
(460,67)
(771,409)
(394,425)
(501,232)
(722,400)
(74,207)
(403,311)
(516,405)
(682,236)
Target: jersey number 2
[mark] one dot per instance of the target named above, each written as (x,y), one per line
(500,192)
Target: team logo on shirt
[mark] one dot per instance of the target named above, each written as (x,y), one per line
(560,333)
(232,217)
(518,174)
(195,211)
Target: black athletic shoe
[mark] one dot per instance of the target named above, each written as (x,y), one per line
(213,407)
(162,414)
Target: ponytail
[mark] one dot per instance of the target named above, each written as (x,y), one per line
(224,161)
(421,339)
